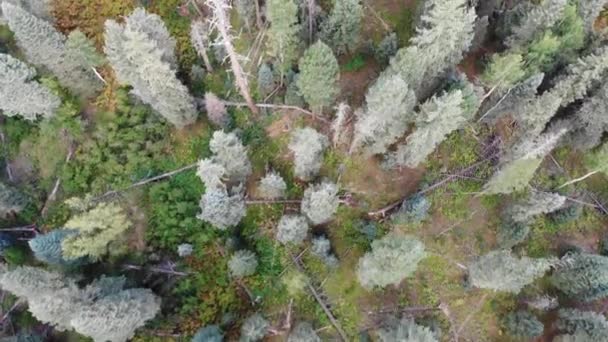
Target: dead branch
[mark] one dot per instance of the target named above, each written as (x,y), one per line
(414,309)
(272,201)
(29,228)
(274,106)
(155,270)
(298,263)
(9,172)
(18,303)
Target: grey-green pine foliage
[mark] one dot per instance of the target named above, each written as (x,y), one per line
(266,83)
(387,48)
(389,105)
(341,29)
(501,271)
(537,203)
(321,247)
(20,94)
(511,233)
(46,47)
(413,210)
(406,331)
(83,49)
(229,152)
(292,229)
(211,173)
(303,332)
(209,333)
(11,201)
(222,209)
(504,71)
(514,101)
(520,164)
(246,12)
(392,259)
(318,78)
(39,8)
(590,121)
(243,263)
(47,247)
(573,321)
(307,146)
(523,324)
(582,276)
(283,37)
(320,202)
(141,53)
(444,34)
(272,186)
(254,328)
(539,18)
(184,250)
(199,36)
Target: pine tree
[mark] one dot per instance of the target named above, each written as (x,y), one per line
(392,259)
(514,101)
(272,186)
(524,325)
(266,84)
(199,36)
(292,229)
(185,250)
(46,47)
(500,271)
(96,230)
(47,247)
(387,48)
(583,276)
(254,328)
(341,29)
(216,110)
(413,210)
(222,209)
(320,202)
(321,247)
(519,167)
(11,201)
(230,153)
(116,316)
(504,71)
(575,321)
(243,263)
(437,118)
(511,233)
(590,121)
(283,32)
(211,173)
(209,333)
(589,10)
(407,331)
(39,8)
(83,49)
(319,73)
(537,203)
(307,146)
(445,33)
(303,332)
(536,20)
(389,105)
(139,58)
(20,94)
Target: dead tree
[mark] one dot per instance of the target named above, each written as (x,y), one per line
(221,23)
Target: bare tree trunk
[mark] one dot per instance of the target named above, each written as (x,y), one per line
(579,179)
(311,19)
(206,60)
(222,24)
(258,15)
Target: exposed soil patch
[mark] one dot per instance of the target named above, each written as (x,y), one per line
(354,84)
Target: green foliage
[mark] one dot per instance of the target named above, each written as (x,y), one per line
(12,202)
(341,29)
(242,264)
(15,255)
(121,151)
(511,233)
(575,321)
(254,328)
(504,71)
(292,229)
(413,210)
(318,78)
(210,333)
(179,28)
(283,32)
(583,276)
(354,64)
(407,331)
(47,247)
(523,324)
(320,202)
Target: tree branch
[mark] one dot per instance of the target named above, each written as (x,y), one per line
(576,180)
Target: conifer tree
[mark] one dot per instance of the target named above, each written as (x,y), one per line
(392,259)
(272,186)
(406,330)
(320,202)
(199,36)
(20,94)
(39,8)
(139,59)
(589,10)
(230,153)
(47,247)
(292,229)
(243,263)
(116,316)
(211,173)
(83,49)
(539,18)
(523,325)
(514,101)
(501,271)
(520,165)
(321,247)
(246,12)
(341,29)
(96,230)
(221,209)
(389,105)
(46,47)
(11,201)
(209,333)
(575,321)
(318,79)
(266,82)
(590,122)
(303,332)
(216,110)
(511,233)
(387,48)
(254,328)
(444,34)
(504,71)
(308,147)
(537,203)
(583,276)
(339,126)
(283,33)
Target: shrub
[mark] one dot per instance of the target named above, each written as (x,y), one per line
(243,263)
(292,229)
(272,186)
(320,202)
(307,146)
(254,328)
(413,210)
(522,324)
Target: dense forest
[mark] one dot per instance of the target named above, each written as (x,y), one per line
(303,170)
